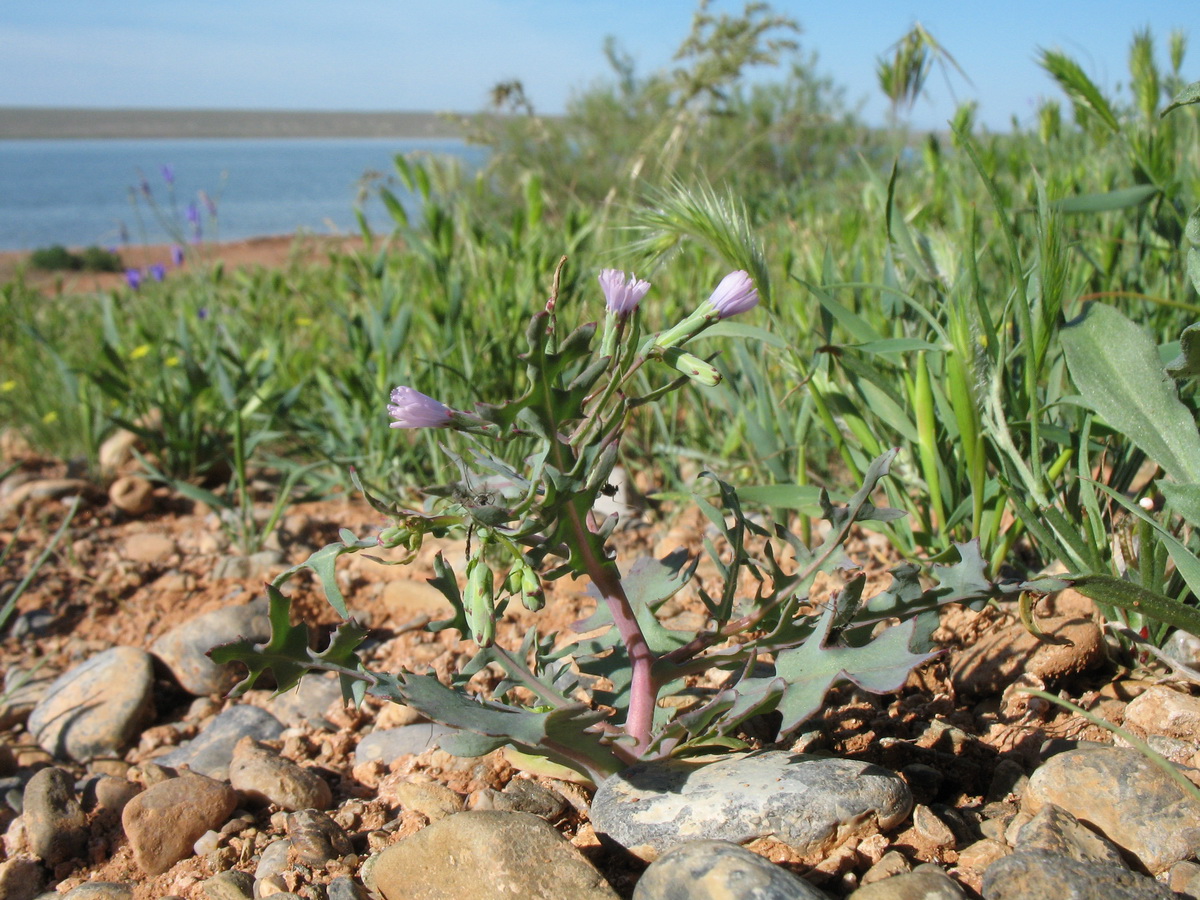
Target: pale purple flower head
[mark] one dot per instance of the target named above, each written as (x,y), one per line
(157,271)
(735,294)
(176,255)
(133,278)
(412,409)
(621,294)
(168,173)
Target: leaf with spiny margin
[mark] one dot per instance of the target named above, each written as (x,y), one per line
(561,734)
(288,655)
(804,675)
(323,562)
(859,508)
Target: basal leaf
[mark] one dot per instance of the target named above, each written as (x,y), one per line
(1117,369)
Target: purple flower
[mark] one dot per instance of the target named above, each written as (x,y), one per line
(134,278)
(202,313)
(735,294)
(622,295)
(168,174)
(193,214)
(158,271)
(412,409)
(176,255)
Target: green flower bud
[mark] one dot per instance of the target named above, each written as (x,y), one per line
(693,367)
(479,602)
(532,594)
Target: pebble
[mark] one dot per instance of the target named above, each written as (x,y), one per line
(1127,798)
(263,776)
(523,795)
(981,854)
(1183,647)
(306,703)
(261,565)
(273,859)
(45,489)
(407,598)
(132,494)
(23,690)
(229,885)
(1055,830)
(165,820)
(998,659)
(487,854)
(345,888)
(810,803)
(96,708)
(390,744)
(100,890)
(55,824)
(893,862)
(430,799)
(316,839)
(1163,711)
(719,870)
(116,451)
(183,649)
(926,882)
(1039,873)
(21,878)
(932,828)
(148,547)
(112,793)
(211,751)
(34,623)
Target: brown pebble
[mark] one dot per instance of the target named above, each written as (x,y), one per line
(165,821)
(132,495)
(998,659)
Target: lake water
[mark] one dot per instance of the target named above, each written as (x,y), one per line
(78,193)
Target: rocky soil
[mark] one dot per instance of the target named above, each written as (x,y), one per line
(126,772)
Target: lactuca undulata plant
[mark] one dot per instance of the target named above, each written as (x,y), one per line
(593,705)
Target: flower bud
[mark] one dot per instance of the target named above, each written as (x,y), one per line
(692,366)
(479,602)
(532,594)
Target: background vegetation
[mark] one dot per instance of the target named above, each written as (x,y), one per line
(921,291)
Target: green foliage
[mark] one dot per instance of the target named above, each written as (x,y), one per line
(58,258)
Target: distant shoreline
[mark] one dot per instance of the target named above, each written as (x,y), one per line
(63,123)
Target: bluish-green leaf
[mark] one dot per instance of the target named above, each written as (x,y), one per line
(1108,201)
(1116,367)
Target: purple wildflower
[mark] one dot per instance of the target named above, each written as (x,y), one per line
(134,278)
(176,255)
(157,271)
(193,214)
(735,294)
(622,295)
(202,313)
(412,409)
(168,174)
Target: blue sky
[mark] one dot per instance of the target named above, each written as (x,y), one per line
(444,54)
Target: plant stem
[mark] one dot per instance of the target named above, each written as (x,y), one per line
(643,691)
